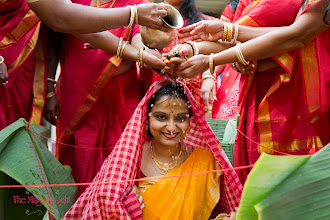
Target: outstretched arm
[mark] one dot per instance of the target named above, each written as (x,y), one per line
(65,16)
(303,30)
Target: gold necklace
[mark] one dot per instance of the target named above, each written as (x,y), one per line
(163,166)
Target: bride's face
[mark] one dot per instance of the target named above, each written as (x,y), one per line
(169,121)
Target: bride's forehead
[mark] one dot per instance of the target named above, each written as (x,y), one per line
(166,101)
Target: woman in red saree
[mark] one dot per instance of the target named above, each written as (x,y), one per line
(98,94)
(117,200)
(23,95)
(278,109)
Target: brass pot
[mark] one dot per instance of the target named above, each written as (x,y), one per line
(157,39)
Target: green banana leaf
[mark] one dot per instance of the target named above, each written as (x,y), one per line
(288,187)
(19,165)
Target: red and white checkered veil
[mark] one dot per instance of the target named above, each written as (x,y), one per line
(116,200)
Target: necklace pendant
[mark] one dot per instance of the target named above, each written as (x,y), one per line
(166,166)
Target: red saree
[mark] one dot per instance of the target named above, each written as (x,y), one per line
(94,106)
(23,96)
(270,117)
(117,200)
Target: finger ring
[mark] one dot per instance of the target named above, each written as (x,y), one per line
(5,83)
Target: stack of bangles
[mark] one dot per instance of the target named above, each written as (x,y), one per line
(230,33)
(210,74)
(134,16)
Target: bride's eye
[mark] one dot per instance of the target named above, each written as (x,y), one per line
(161,117)
(181,118)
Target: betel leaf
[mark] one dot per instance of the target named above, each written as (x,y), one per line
(18,161)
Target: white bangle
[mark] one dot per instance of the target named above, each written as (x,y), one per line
(233,41)
(2,59)
(131,19)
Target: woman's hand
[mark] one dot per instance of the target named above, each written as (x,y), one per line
(52,110)
(208,92)
(244,69)
(153,61)
(3,74)
(149,14)
(190,68)
(207,30)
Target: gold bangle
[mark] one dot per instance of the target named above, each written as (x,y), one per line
(2,59)
(225,29)
(136,15)
(239,55)
(141,56)
(209,76)
(122,49)
(230,32)
(211,65)
(50,94)
(119,46)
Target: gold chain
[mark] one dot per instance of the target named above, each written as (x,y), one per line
(165,167)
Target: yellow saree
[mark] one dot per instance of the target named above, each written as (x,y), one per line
(188,197)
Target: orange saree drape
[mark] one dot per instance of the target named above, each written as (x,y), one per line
(280,106)
(23,96)
(187,197)
(94,106)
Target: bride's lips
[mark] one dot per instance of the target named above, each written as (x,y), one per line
(170,136)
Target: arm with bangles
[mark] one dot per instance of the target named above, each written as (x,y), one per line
(52,106)
(284,39)
(110,43)
(65,16)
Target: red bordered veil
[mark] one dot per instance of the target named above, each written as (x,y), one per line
(117,200)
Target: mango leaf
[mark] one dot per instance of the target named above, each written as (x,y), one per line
(19,165)
(305,194)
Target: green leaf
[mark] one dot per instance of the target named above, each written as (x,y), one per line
(305,194)
(18,148)
(268,172)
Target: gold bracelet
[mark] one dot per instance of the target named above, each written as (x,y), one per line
(50,94)
(239,55)
(211,65)
(209,76)
(230,32)
(225,29)
(141,56)
(136,15)
(122,49)
(2,59)
(120,43)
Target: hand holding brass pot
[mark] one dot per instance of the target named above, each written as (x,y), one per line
(157,39)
